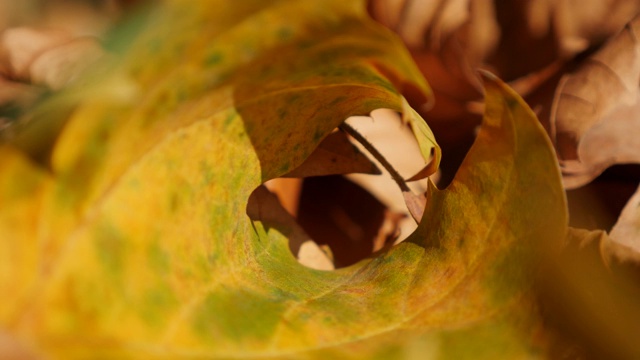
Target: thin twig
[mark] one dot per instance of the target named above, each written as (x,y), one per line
(376,154)
(415,203)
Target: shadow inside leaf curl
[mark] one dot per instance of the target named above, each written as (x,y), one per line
(337,222)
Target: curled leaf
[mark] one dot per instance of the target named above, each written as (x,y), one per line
(626,231)
(595,120)
(431,152)
(139,244)
(334,155)
(48,57)
(415,204)
(264,206)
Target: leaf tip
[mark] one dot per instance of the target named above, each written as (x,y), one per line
(487,75)
(490,80)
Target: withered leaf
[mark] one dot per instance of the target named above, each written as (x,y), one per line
(334,155)
(594,120)
(626,231)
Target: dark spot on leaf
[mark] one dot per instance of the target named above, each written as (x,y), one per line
(207,172)
(284,33)
(511,102)
(233,313)
(284,168)
(174,201)
(158,302)
(337,100)
(282,113)
(229,119)
(158,258)
(214,59)
(317,135)
(111,249)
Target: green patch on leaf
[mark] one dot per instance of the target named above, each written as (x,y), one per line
(194,276)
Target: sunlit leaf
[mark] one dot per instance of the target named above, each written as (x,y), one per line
(136,242)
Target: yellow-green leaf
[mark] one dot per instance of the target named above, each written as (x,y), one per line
(140,245)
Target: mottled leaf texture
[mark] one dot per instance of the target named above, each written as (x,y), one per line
(335,155)
(135,242)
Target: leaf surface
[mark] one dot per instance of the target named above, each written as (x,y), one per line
(626,230)
(335,155)
(137,242)
(593,263)
(594,120)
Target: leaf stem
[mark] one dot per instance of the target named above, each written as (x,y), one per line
(376,154)
(415,203)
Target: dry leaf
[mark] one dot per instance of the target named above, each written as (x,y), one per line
(594,121)
(335,155)
(520,41)
(45,45)
(415,204)
(393,137)
(81,18)
(579,25)
(49,57)
(22,45)
(134,242)
(626,231)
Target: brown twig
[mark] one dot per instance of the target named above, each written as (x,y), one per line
(415,203)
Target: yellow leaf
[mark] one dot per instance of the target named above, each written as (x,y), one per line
(146,250)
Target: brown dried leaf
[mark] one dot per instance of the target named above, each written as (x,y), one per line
(49,57)
(393,136)
(22,45)
(579,25)
(61,66)
(81,18)
(413,19)
(449,39)
(627,230)
(594,118)
(415,204)
(334,156)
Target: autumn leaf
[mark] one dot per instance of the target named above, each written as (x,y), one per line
(334,155)
(594,119)
(133,239)
(626,230)
(576,28)
(530,44)
(266,207)
(51,58)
